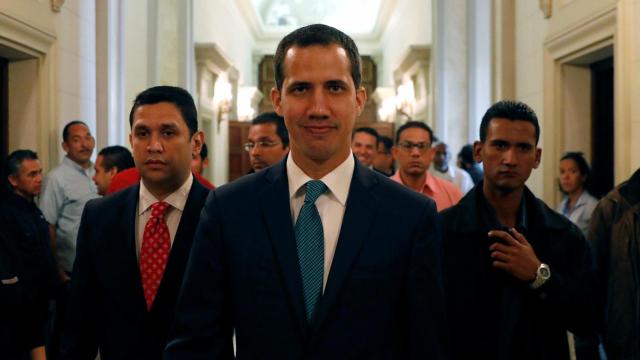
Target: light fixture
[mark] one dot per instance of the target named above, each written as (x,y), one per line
(405,99)
(222,97)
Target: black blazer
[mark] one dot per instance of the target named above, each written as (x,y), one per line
(383,298)
(107,310)
(491,314)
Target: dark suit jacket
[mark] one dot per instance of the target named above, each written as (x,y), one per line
(491,314)
(107,310)
(382,300)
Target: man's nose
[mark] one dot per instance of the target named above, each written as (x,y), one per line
(510,157)
(155,145)
(255,150)
(319,105)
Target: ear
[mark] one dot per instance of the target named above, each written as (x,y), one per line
(361,99)
(65,146)
(205,163)
(131,140)
(431,154)
(538,158)
(394,151)
(276,99)
(196,143)
(477,151)
(113,171)
(12,180)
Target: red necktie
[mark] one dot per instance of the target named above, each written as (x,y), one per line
(154,252)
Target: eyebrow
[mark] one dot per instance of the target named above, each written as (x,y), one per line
(336,82)
(166,125)
(298,84)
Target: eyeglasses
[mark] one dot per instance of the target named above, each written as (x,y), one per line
(248,146)
(408,146)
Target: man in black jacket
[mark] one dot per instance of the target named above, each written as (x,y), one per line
(28,274)
(614,233)
(518,275)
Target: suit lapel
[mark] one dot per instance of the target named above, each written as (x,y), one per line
(276,209)
(359,215)
(128,229)
(181,244)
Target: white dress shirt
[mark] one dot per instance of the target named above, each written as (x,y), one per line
(331,204)
(177,200)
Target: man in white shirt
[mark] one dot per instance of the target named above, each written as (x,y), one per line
(440,168)
(133,245)
(299,259)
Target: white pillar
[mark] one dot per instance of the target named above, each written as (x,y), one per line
(111,121)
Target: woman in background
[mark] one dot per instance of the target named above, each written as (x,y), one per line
(575,182)
(578,204)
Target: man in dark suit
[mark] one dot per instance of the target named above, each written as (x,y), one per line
(518,274)
(299,259)
(133,246)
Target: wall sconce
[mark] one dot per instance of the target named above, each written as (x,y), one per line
(222,97)
(406,99)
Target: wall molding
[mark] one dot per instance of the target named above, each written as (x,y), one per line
(599,27)
(41,45)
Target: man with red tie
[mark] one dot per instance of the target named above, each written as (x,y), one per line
(133,246)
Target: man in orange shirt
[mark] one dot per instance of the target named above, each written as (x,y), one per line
(414,154)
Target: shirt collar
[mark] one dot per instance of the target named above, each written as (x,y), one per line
(177,199)
(77,166)
(450,170)
(429,182)
(492,218)
(337,181)
(582,200)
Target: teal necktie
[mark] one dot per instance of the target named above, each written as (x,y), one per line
(310,244)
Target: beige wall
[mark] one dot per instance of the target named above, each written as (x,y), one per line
(410,24)
(61,82)
(136,63)
(221,23)
(632,40)
(76,65)
(530,31)
(548,77)
(23,100)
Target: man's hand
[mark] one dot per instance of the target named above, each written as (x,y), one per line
(62,275)
(515,255)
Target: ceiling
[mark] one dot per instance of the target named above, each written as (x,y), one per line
(275,18)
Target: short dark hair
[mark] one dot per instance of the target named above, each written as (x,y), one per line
(512,110)
(14,160)
(317,34)
(12,165)
(171,94)
(583,166)
(368,130)
(415,124)
(204,151)
(65,130)
(118,156)
(466,155)
(273,118)
(387,142)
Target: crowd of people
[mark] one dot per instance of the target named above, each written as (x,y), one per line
(340,243)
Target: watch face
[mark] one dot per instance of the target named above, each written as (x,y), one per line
(545,272)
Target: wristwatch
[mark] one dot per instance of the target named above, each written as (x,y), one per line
(542,275)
